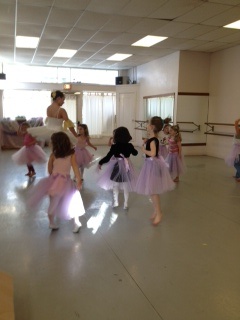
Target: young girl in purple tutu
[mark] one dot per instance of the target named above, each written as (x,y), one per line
(154,178)
(30,152)
(163,139)
(83,156)
(175,159)
(119,173)
(65,198)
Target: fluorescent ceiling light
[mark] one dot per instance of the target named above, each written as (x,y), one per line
(119,57)
(234,25)
(64,53)
(26,42)
(148,41)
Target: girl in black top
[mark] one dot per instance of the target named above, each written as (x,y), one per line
(119,173)
(154,178)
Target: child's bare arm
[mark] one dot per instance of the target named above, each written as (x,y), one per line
(76,171)
(50,163)
(91,145)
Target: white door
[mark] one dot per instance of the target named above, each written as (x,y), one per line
(126,110)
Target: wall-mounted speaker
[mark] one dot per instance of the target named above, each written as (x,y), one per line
(122,80)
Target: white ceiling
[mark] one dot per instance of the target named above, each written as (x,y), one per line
(98,29)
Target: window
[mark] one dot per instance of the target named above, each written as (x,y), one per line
(98,112)
(26,103)
(31,104)
(21,73)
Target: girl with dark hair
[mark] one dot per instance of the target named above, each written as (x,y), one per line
(175,159)
(57,120)
(154,178)
(83,156)
(65,198)
(119,174)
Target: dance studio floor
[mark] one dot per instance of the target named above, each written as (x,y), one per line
(120,267)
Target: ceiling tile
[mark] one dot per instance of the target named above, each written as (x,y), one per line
(203,12)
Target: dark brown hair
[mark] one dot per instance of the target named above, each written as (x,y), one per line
(85,128)
(61,145)
(57,94)
(158,123)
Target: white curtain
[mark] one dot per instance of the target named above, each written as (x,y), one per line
(98,113)
(160,106)
(70,105)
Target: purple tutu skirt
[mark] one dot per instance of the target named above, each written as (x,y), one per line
(118,170)
(27,155)
(154,177)
(233,156)
(65,200)
(175,164)
(163,150)
(83,157)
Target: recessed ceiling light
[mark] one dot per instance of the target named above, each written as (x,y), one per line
(27,42)
(234,25)
(64,53)
(119,57)
(148,41)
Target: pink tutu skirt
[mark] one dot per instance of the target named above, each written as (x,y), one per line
(233,156)
(154,177)
(83,157)
(175,164)
(163,150)
(65,200)
(27,155)
(118,170)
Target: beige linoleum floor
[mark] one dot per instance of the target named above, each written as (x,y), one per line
(119,267)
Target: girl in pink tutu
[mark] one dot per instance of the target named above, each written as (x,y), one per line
(233,159)
(154,178)
(119,173)
(163,140)
(83,156)
(175,159)
(30,152)
(65,198)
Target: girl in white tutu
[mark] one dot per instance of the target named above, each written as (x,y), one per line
(233,159)
(30,152)
(119,172)
(175,158)
(154,178)
(65,198)
(83,156)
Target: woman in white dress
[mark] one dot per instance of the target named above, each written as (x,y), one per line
(57,120)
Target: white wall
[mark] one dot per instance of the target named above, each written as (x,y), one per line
(224,103)
(194,69)
(156,77)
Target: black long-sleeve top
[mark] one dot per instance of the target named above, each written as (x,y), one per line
(126,149)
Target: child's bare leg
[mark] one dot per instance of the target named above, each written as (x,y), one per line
(51,216)
(157,209)
(77,225)
(115,194)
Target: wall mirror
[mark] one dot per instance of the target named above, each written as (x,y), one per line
(159,105)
